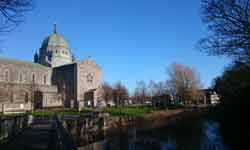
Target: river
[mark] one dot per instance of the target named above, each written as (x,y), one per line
(188,134)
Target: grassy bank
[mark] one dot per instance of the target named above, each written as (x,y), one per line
(128,111)
(114,111)
(48,113)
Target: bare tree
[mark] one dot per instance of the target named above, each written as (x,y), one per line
(141,91)
(229,24)
(161,88)
(107,92)
(12,13)
(184,81)
(152,87)
(136,96)
(120,94)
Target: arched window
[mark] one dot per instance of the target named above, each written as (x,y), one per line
(26,97)
(33,78)
(6,76)
(20,77)
(11,97)
(45,79)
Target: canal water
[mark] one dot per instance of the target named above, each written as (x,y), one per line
(187,134)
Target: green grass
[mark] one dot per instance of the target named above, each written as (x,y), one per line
(43,113)
(66,111)
(128,111)
(87,110)
(12,115)
(114,111)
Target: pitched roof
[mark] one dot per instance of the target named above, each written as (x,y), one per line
(20,62)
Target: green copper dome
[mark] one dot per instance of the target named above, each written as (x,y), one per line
(54,51)
(55,40)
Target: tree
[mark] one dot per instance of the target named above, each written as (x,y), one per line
(184,81)
(152,87)
(228,22)
(141,91)
(136,96)
(120,94)
(233,86)
(160,88)
(107,92)
(161,95)
(12,13)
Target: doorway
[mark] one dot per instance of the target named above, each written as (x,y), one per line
(89,98)
(38,100)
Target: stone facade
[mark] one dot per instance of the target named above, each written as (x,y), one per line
(53,80)
(89,79)
(20,83)
(79,82)
(210,97)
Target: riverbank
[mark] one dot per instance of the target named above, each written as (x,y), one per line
(155,119)
(123,111)
(178,129)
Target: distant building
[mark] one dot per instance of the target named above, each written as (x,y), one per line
(210,97)
(55,79)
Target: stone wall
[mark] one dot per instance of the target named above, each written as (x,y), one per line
(20,80)
(65,79)
(24,94)
(19,72)
(89,78)
(76,82)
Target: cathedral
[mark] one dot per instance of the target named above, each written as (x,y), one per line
(54,80)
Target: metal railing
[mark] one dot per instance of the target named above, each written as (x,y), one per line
(61,138)
(10,126)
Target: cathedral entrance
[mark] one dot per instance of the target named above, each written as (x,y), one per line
(38,100)
(89,98)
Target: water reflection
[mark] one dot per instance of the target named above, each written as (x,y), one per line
(187,134)
(211,137)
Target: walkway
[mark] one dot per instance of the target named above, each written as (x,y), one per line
(38,137)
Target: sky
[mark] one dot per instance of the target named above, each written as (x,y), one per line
(131,40)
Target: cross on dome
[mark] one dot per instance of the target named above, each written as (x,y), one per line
(55,28)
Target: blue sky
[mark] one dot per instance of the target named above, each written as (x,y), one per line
(130,39)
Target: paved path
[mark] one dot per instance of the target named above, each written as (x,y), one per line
(38,137)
